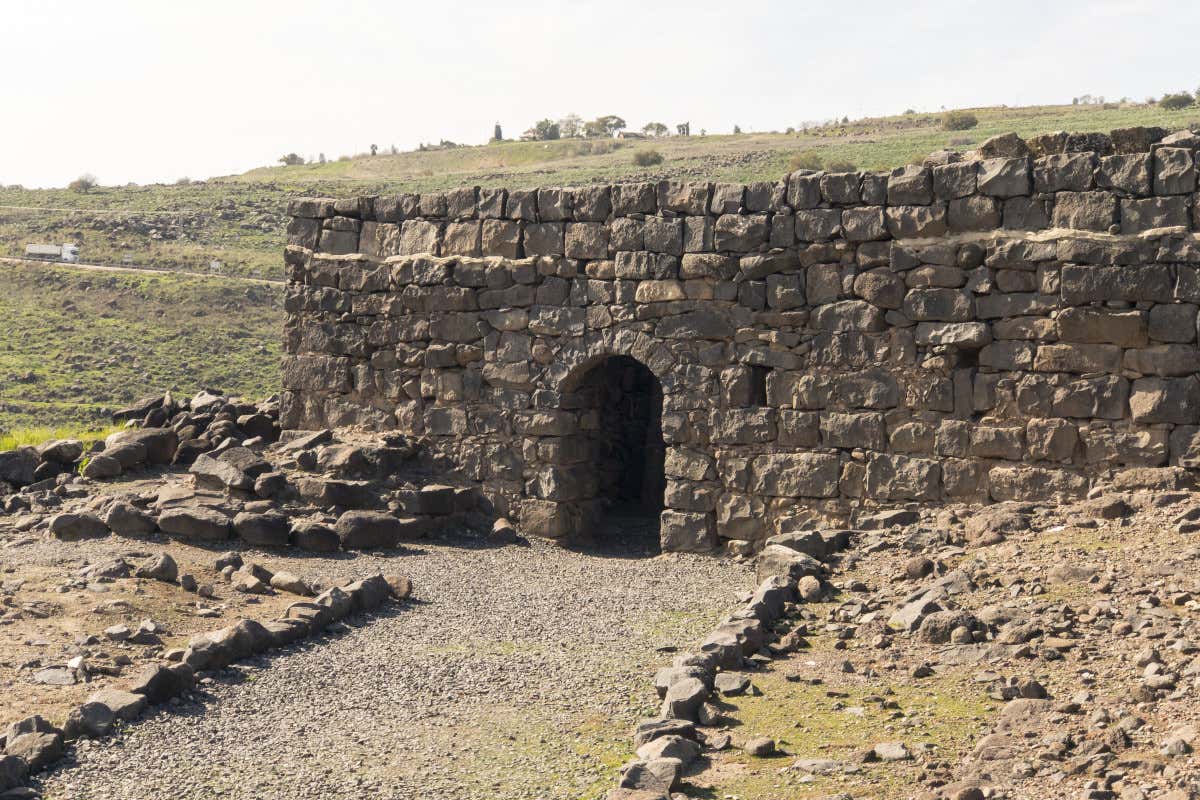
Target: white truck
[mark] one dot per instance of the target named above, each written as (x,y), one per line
(53,252)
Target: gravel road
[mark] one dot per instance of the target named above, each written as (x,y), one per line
(515,673)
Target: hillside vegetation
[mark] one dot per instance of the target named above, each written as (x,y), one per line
(76,345)
(239,220)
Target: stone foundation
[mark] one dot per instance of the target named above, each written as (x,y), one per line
(1010,326)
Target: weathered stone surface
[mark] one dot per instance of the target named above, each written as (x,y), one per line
(361,530)
(195,522)
(71,527)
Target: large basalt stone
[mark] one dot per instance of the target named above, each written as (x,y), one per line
(195,522)
(268,529)
(363,530)
(72,526)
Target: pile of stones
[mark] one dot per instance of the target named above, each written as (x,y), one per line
(791,569)
(33,744)
(159,431)
(310,490)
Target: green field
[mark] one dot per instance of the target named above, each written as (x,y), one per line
(77,344)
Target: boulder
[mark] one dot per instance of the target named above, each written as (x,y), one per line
(195,522)
(655,775)
(61,451)
(72,527)
(776,559)
(122,704)
(678,747)
(129,455)
(684,698)
(360,530)
(90,720)
(315,537)
(160,443)
(269,529)
(17,466)
(159,684)
(126,519)
(291,583)
(13,771)
(35,740)
(213,473)
(101,466)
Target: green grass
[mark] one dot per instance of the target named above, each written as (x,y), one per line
(76,345)
(31,437)
(946,712)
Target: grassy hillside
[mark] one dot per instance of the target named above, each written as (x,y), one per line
(74,345)
(239,220)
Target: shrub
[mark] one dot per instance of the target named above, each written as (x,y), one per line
(1174,102)
(805,159)
(647,158)
(83,184)
(959,121)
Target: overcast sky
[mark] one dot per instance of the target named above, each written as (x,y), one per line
(144,91)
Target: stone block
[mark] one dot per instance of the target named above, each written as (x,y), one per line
(1174,400)
(910,185)
(1174,171)
(897,477)
(1128,173)
(1063,172)
(916,222)
(740,233)
(865,430)
(1077,358)
(1138,216)
(795,475)
(1088,211)
(687,532)
(1051,439)
(818,224)
(1004,177)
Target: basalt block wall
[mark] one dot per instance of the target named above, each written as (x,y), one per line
(992,328)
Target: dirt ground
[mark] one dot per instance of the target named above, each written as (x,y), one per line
(1093,604)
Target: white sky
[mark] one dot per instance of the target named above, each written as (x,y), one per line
(155,90)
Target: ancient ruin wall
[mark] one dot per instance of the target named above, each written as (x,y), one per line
(1006,327)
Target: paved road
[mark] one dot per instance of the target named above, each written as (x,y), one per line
(518,673)
(33,262)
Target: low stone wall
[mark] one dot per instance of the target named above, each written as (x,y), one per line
(1006,325)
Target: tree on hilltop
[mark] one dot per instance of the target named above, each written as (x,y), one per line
(83,184)
(608,125)
(546,129)
(571,126)
(655,129)
(291,160)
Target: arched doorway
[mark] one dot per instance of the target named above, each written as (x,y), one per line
(618,405)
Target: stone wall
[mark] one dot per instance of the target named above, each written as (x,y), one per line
(1011,324)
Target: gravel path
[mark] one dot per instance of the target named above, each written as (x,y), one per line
(517,673)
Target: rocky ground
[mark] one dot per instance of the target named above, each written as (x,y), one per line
(1010,652)
(1013,651)
(512,673)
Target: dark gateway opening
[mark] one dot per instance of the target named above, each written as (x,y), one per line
(619,401)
